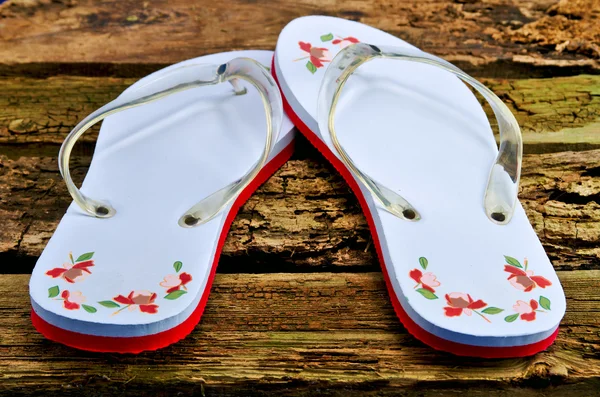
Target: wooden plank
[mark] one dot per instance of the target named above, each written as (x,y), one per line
(555,114)
(306,216)
(299,333)
(44,111)
(129,37)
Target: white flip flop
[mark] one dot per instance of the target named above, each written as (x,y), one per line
(132,270)
(416,147)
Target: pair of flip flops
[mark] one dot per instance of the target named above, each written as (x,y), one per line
(130,267)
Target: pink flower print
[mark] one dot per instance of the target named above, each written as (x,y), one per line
(173,282)
(521,278)
(317,55)
(427,280)
(170,281)
(72,300)
(143,300)
(74,271)
(459,303)
(176,283)
(526,310)
(525,280)
(344,42)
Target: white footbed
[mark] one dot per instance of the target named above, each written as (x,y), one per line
(420,131)
(152,163)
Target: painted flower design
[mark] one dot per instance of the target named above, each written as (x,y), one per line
(460,303)
(173,282)
(344,42)
(142,300)
(75,270)
(72,300)
(426,282)
(521,278)
(527,311)
(317,56)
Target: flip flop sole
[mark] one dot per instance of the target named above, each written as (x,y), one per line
(139,280)
(447,125)
(421,334)
(157,341)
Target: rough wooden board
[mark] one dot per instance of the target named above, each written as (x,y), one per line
(306,217)
(569,25)
(309,331)
(46,110)
(43,111)
(556,114)
(298,334)
(129,37)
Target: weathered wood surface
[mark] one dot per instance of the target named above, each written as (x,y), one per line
(563,110)
(305,216)
(317,320)
(129,37)
(299,334)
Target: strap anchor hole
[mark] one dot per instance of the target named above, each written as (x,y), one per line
(102,211)
(190,220)
(498,216)
(409,214)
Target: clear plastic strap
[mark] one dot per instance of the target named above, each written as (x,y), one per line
(174,81)
(503,183)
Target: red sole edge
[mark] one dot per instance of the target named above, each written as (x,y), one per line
(413,328)
(139,344)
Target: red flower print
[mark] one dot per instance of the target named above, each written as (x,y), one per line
(72,300)
(427,280)
(77,270)
(345,41)
(526,310)
(523,279)
(173,282)
(317,55)
(144,300)
(459,303)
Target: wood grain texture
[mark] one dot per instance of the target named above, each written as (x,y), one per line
(129,37)
(300,334)
(555,114)
(306,217)
(317,320)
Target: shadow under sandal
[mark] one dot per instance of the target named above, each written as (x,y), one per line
(131,263)
(464,268)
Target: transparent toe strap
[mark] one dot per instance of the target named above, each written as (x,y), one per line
(503,183)
(174,81)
